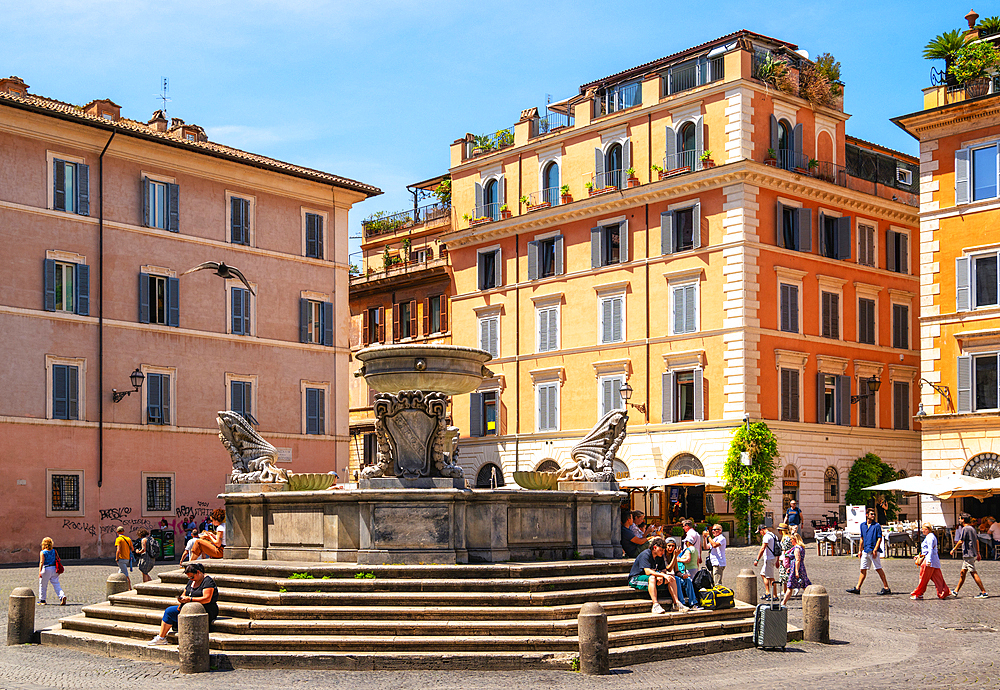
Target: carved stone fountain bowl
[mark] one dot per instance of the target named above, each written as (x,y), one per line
(449,369)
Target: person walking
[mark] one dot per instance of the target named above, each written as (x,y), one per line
(871,548)
(967,539)
(930,566)
(785,561)
(144,560)
(47,572)
(793,517)
(123,553)
(715,544)
(767,551)
(797,577)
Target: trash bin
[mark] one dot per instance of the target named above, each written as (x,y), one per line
(165,537)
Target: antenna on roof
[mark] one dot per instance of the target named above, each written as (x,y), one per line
(164,90)
(548,99)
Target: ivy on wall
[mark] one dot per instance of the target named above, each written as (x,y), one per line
(749,486)
(868,471)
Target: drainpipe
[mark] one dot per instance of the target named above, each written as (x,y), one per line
(100,316)
(517,331)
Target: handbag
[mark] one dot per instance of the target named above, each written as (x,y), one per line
(59,566)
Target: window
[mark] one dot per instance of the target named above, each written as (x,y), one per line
(483,420)
(866,405)
(369,449)
(67,287)
(613,319)
(241,399)
(71,187)
(984,173)
(984,293)
(550,185)
(489,269)
(831,486)
(685,308)
(489,334)
(904,176)
(683,396)
(314,235)
(436,314)
(547,404)
(239,220)
(491,200)
(315,411)
(789,395)
(65,392)
(618,97)
(696,72)
(786,147)
(866,244)
(831,315)
(159,494)
(794,229)
(315,322)
(157,398)
(609,244)
(901,326)
(834,236)
(834,398)
(977,382)
(789,307)
(373,325)
(900,405)
(240,301)
(160,204)
(65,492)
(489,477)
(611,398)
(545,257)
(896,252)
(866,321)
(611,176)
(547,319)
(404,320)
(159,299)
(680,229)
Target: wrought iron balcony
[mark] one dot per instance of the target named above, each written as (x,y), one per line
(544,198)
(486,143)
(381,224)
(551,122)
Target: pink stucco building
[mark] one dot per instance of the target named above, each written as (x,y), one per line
(99,217)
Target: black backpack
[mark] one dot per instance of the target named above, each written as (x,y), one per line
(153,548)
(776,548)
(702,580)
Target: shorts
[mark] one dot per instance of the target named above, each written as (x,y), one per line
(768,569)
(123,564)
(640,583)
(870,560)
(969,563)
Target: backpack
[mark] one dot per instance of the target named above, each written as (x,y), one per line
(702,580)
(775,547)
(153,548)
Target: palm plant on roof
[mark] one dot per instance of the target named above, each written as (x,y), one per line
(945,46)
(989,26)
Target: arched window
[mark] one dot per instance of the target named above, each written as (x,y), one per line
(613,167)
(984,466)
(621,469)
(831,486)
(550,184)
(491,207)
(685,463)
(785,146)
(488,474)
(789,486)
(548,465)
(687,141)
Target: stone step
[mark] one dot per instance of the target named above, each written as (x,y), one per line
(683,648)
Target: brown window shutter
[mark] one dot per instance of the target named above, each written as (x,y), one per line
(395,323)
(444,313)
(413,318)
(380,335)
(427,315)
(365,315)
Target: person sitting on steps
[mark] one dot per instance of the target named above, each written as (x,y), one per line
(650,572)
(211,544)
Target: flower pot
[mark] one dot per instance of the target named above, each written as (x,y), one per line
(505,214)
(677,171)
(801,171)
(479,221)
(567,198)
(980,86)
(536,207)
(708,163)
(633,182)
(663,174)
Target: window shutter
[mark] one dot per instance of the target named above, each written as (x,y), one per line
(667,232)
(154,399)
(60,386)
(83,189)
(553,328)
(501,193)
(678,294)
(617,305)
(143,298)
(312,411)
(820,397)
(73,392)
(543,408)
(381,324)
(607,396)
(668,398)
(304,320)
(835,315)
(670,153)
(553,407)
(690,308)
(803,233)
(797,145)
(559,252)
(963,280)
(785,394)
(784,308)
(902,404)
(427,315)
(413,318)
(174,196)
(606,317)
(696,224)
(482,271)
(49,280)
(328,324)
(146,191)
(793,395)
(793,303)
(532,260)
(395,322)
(623,241)
(480,212)
(598,168)
(236,397)
(475,414)
(890,250)
(821,235)
(498,269)
(844,238)
(59,185)
(82,289)
(173,302)
(246,311)
(236,221)
(699,140)
(904,253)
(319,237)
(699,395)
(965,383)
(237,308)
(626,159)
(444,313)
(543,330)
(843,400)
(779,225)
(774,133)
(365,333)
(494,327)
(962,175)
(596,248)
(310,234)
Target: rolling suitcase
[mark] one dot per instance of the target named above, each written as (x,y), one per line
(770,626)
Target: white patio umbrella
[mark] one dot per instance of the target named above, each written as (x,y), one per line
(694,480)
(944,487)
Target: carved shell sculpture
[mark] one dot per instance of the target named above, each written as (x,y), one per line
(253,457)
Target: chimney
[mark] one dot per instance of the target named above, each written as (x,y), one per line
(13,85)
(973,33)
(176,122)
(158,122)
(103,107)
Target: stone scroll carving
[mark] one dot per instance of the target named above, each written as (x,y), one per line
(595,454)
(414,439)
(253,458)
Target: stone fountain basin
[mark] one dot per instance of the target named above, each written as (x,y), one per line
(449,369)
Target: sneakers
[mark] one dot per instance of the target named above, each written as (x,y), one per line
(885,590)
(982,595)
(157,641)
(916,598)
(62,601)
(854,590)
(954,594)
(681,608)
(41,602)
(658,609)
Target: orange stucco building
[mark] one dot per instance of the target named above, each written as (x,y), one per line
(99,217)
(709,235)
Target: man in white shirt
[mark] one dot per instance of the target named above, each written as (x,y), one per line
(994,530)
(715,542)
(768,543)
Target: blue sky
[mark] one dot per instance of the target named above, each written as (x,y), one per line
(377,90)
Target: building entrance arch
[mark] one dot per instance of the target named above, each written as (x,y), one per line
(685,502)
(982,466)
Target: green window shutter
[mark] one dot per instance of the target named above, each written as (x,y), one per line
(49,280)
(174,207)
(154,400)
(83,189)
(173,302)
(237,311)
(83,289)
(73,392)
(236,217)
(59,185)
(143,298)
(145,192)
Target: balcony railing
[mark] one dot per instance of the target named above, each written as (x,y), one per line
(790,160)
(683,161)
(694,73)
(552,122)
(421,254)
(486,212)
(840,176)
(609,179)
(485,143)
(617,98)
(379,224)
(544,198)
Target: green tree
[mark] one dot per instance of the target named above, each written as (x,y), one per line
(945,46)
(868,471)
(749,485)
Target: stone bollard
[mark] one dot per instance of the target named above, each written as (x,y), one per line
(746,586)
(192,638)
(816,614)
(21,616)
(592,629)
(116,584)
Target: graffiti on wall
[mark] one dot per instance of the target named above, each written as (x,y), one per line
(120,516)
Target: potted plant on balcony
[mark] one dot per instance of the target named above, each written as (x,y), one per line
(481,143)
(813,166)
(972,65)
(564,193)
(633,181)
(405,254)
(706,159)
(590,187)
(505,212)
(658,170)
(771,158)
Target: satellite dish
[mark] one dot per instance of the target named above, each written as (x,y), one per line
(803,53)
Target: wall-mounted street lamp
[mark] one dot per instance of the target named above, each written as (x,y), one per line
(873,385)
(626,392)
(136,377)
(940,390)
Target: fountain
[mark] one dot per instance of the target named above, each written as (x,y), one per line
(414,504)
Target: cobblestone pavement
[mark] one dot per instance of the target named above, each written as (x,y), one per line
(879,641)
